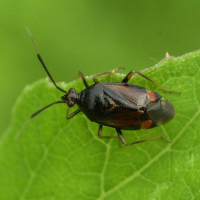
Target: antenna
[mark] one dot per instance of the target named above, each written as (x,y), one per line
(56,102)
(35,114)
(42,62)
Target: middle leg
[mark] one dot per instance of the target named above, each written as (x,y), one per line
(104,73)
(100,133)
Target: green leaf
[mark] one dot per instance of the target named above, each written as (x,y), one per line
(55,158)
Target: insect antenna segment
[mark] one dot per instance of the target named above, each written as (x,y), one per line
(44,66)
(35,114)
(42,62)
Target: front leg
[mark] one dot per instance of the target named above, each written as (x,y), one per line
(73,114)
(80,74)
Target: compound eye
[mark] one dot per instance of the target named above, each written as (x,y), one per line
(71,97)
(70,103)
(72,91)
(160,112)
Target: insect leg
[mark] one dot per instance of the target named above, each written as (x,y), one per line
(100,133)
(119,132)
(71,115)
(104,73)
(80,74)
(131,73)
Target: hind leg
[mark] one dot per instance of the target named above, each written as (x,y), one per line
(131,73)
(121,137)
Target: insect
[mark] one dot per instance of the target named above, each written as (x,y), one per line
(122,106)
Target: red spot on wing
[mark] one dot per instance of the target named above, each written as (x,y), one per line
(147,124)
(151,95)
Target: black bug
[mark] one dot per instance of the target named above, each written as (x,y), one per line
(122,106)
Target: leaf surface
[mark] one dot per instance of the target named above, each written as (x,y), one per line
(55,158)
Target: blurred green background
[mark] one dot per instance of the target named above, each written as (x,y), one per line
(92,36)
